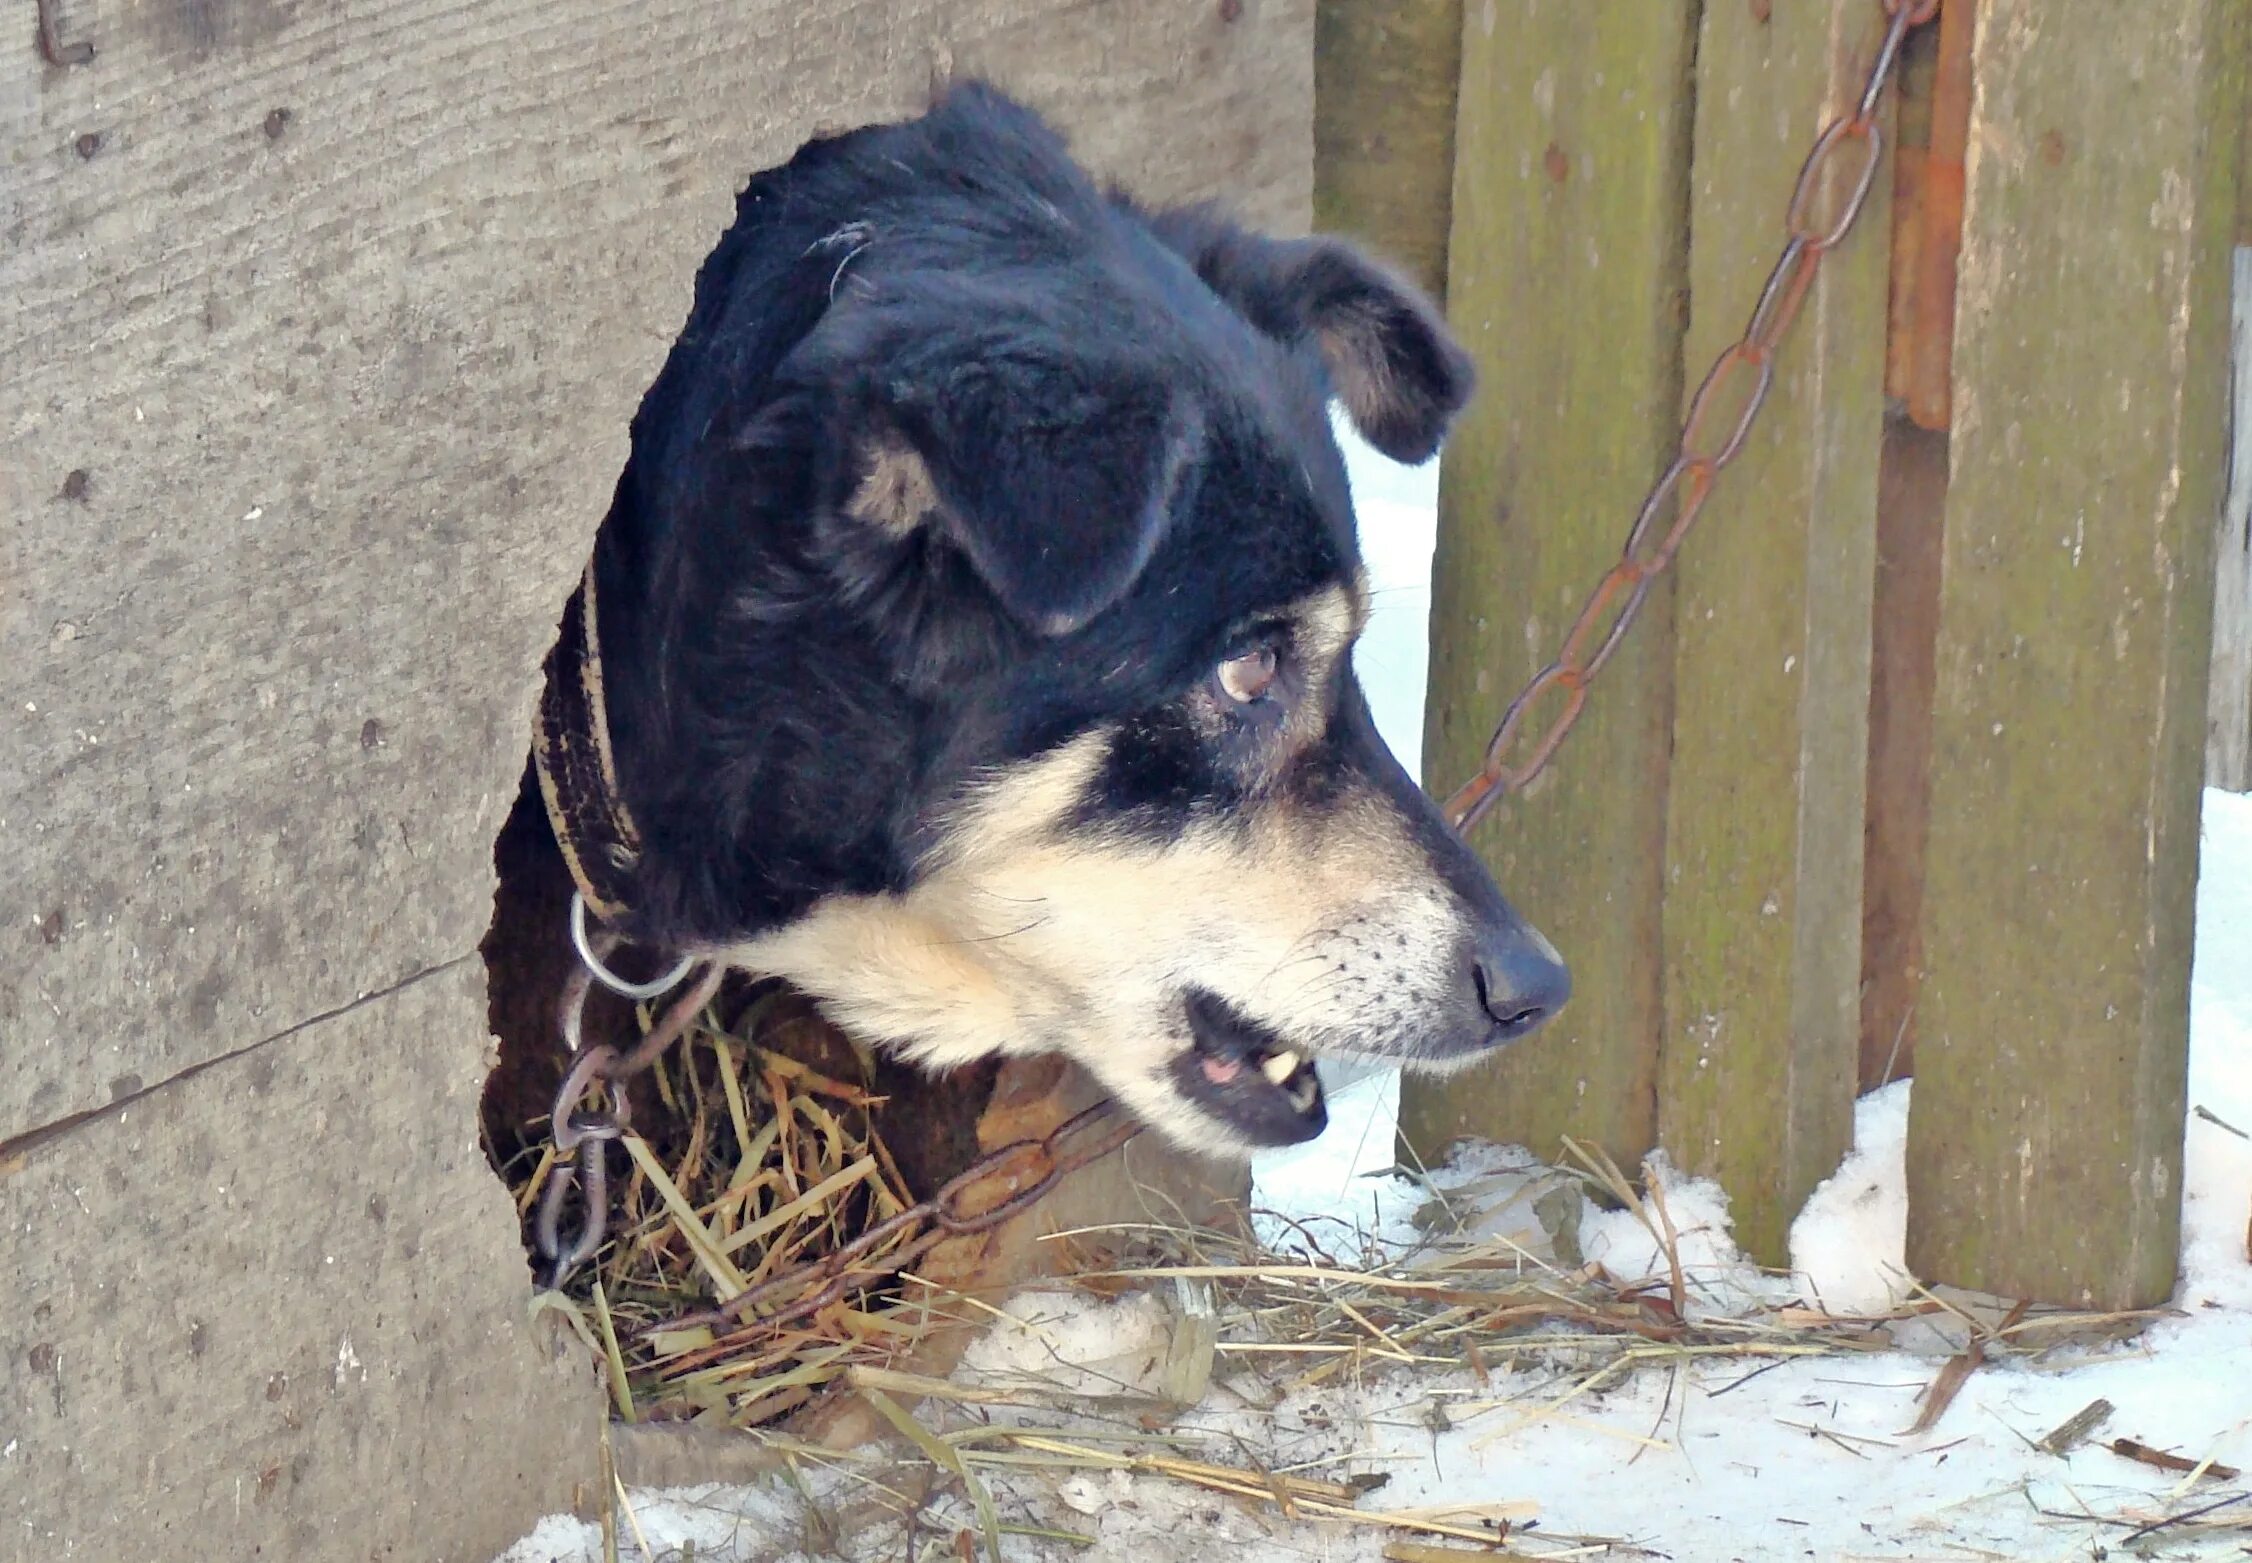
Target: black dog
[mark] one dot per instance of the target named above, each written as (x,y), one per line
(974,621)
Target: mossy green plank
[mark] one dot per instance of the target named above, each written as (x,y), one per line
(1384,112)
(1566,279)
(1762,915)
(2045,1147)
(2240,20)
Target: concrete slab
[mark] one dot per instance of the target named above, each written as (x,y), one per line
(277,1309)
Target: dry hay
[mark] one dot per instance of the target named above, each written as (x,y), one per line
(1539,1338)
(752,1161)
(744,1163)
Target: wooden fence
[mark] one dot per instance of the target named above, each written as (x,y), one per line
(1900,771)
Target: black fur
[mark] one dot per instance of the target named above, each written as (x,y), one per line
(1371,328)
(960,459)
(1129,467)
(1123,416)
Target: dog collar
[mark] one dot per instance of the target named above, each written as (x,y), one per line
(578,774)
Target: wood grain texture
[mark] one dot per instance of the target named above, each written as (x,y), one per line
(1568,254)
(2228,705)
(1762,912)
(1385,74)
(323,331)
(2241,19)
(1911,515)
(2228,740)
(268,1311)
(2045,1148)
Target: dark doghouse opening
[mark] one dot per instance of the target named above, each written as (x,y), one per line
(764,1139)
(749,1117)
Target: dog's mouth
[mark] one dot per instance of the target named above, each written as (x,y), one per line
(1243,1074)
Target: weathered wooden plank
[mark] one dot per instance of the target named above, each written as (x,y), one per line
(2228,743)
(2045,1147)
(2228,706)
(1384,113)
(1934,126)
(2243,48)
(1927,227)
(1567,271)
(266,1305)
(1762,916)
(1911,512)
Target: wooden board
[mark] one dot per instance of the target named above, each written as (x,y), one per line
(1932,125)
(1911,512)
(2228,742)
(1566,282)
(1385,73)
(2228,738)
(2045,1147)
(1762,912)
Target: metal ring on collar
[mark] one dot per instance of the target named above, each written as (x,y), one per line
(610,979)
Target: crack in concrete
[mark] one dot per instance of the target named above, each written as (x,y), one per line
(15,1150)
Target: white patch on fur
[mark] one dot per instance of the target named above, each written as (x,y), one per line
(1024,936)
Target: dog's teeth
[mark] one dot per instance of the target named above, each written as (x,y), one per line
(1302,1094)
(1279,1067)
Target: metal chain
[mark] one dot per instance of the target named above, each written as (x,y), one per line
(598,1068)
(1732,393)
(998,1185)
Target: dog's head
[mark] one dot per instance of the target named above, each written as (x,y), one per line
(980,603)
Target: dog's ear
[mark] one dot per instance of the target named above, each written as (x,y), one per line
(1053,475)
(1398,370)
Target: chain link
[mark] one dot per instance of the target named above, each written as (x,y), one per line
(995,1187)
(600,1068)
(1721,414)
(999,1185)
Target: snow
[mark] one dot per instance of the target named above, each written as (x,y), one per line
(1059,1343)
(1851,1239)
(1692,1459)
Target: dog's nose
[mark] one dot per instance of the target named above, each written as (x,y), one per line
(1521,979)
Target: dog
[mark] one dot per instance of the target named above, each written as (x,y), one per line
(975,616)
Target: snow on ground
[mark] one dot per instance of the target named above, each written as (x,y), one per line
(1701,1461)
(1849,1239)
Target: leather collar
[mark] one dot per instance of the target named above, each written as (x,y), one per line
(578,775)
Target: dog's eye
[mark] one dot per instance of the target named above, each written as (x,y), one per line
(1249,676)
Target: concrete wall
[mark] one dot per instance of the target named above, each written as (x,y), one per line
(321,332)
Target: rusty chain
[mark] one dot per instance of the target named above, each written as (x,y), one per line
(1739,380)
(1006,1182)
(998,1185)
(598,1068)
